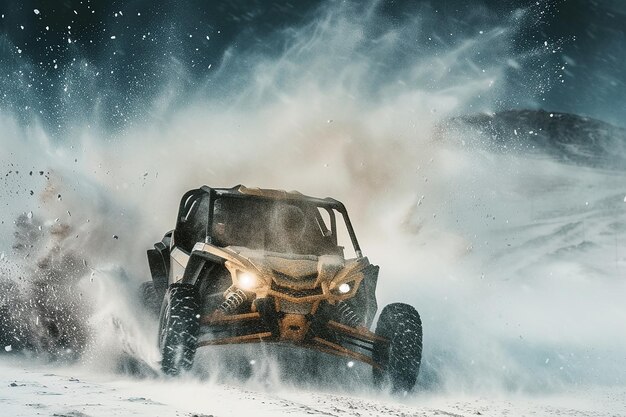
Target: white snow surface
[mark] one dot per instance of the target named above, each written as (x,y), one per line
(35,389)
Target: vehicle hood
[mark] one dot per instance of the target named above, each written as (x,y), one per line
(297,271)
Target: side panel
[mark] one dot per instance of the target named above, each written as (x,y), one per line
(207,272)
(370,281)
(364,302)
(199,262)
(159,263)
(178,263)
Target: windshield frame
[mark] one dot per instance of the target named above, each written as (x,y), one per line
(329,205)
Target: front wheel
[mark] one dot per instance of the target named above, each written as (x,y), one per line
(401,354)
(178,328)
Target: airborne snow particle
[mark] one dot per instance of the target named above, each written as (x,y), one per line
(36,11)
(625,199)
(115,237)
(113,37)
(8,348)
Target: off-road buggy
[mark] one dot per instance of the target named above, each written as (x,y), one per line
(247,265)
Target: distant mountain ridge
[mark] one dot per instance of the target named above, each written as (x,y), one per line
(565,137)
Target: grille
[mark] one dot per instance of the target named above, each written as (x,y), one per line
(295,308)
(288,278)
(296,293)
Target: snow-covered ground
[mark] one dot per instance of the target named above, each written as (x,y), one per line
(29,390)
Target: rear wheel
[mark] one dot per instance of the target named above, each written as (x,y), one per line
(178,328)
(401,356)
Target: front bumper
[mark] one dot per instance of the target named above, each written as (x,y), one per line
(306,331)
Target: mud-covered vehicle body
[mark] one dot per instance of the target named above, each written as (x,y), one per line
(250,265)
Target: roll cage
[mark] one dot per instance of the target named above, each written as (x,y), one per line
(196,213)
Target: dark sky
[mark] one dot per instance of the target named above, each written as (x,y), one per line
(112,61)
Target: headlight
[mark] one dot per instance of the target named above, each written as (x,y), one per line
(247,280)
(344,288)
